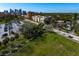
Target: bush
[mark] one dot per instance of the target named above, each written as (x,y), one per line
(5,41)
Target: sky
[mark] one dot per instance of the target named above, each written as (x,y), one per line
(42,7)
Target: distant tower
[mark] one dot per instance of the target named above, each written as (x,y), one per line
(20,11)
(5,11)
(24,12)
(16,12)
(11,11)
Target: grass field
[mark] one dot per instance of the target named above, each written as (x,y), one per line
(50,44)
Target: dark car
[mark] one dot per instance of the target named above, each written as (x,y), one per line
(70,36)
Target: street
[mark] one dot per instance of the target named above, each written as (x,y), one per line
(68,35)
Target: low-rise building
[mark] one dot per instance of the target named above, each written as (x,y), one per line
(59,24)
(68,25)
(8,30)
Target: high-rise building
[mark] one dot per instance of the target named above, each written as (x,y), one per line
(20,11)
(11,11)
(5,11)
(16,12)
(24,13)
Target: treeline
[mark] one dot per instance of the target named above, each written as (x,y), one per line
(7,18)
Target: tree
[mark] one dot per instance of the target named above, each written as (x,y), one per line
(32,31)
(77,29)
(48,20)
(5,41)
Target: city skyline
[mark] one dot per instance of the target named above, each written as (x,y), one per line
(42,7)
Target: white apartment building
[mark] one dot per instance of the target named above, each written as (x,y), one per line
(5,29)
(38,18)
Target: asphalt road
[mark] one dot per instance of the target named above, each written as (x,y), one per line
(68,35)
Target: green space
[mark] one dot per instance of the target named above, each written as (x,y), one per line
(49,44)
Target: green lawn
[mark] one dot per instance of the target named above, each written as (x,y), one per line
(50,44)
